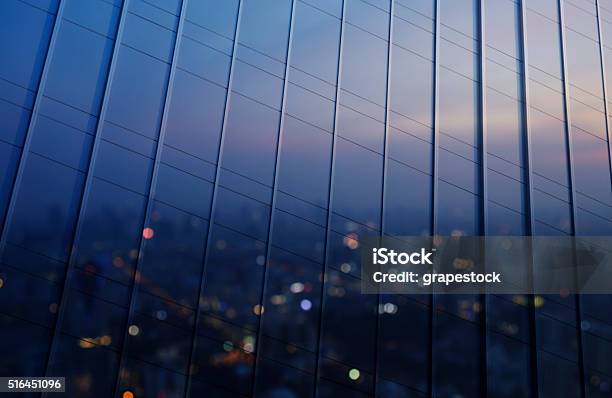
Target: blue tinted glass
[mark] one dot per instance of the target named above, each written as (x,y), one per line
(30,30)
(47,208)
(219,17)
(548,140)
(544,45)
(202,60)
(149,378)
(9,156)
(338,340)
(242,213)
(220,379)
(159,42)
(195,115)
(137,99)
(359,202)
(188,214)
(591,166)
(460,16)
(411,31)
(257,84)
(403,357)
(310,107)
(410,74)
(233,295)
(460,337)
(277,379)
(361,129)
(502,26)
(294,290)
(94,360)
(101,248)
(504,127)
(250,140)
(315,32)
(369,16)
(303,144)
(307,238)
(160,258)
(458,210)
(79,82)
(365,80)
(514,358)
(407,196)
(275,16)
(458,106)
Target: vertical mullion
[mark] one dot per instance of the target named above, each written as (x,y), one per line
(87,185)
(603,79)
(382,199)
(214,199)
(484,192)
(434,185)
(570,161)
(330,198)
(31,123)
(533,351)
(279,143)
(152,189)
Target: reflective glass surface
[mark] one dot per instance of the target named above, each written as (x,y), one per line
(184,185)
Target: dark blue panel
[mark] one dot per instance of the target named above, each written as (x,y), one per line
(233,295)
(80,81)
(9,156)
(94,359)
(293,292)
(358,201)
(304,162)
(108,243)
(270,304)
(346,310)
(250,141)
(218,17)
(30,30)
(99,16)
(62,143)
(161,258)
(46,208)
(275,16)
(137,92)
(315,31)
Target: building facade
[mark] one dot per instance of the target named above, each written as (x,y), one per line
(183,187)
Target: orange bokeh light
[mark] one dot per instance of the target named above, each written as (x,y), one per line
(147,233)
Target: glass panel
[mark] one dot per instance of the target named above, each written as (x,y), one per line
(303,144)
(359,202)
(254,126)
(274,15)
(367,80)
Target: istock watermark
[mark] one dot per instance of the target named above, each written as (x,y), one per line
(491,264)
(383,256)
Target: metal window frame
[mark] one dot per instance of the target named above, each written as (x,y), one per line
(152,192)
(528,170)
(602,57)
(383,189)
(279,142)
(570,165)
(213,204)
(67,280)
(330,198)
(25,149)
(434,188)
